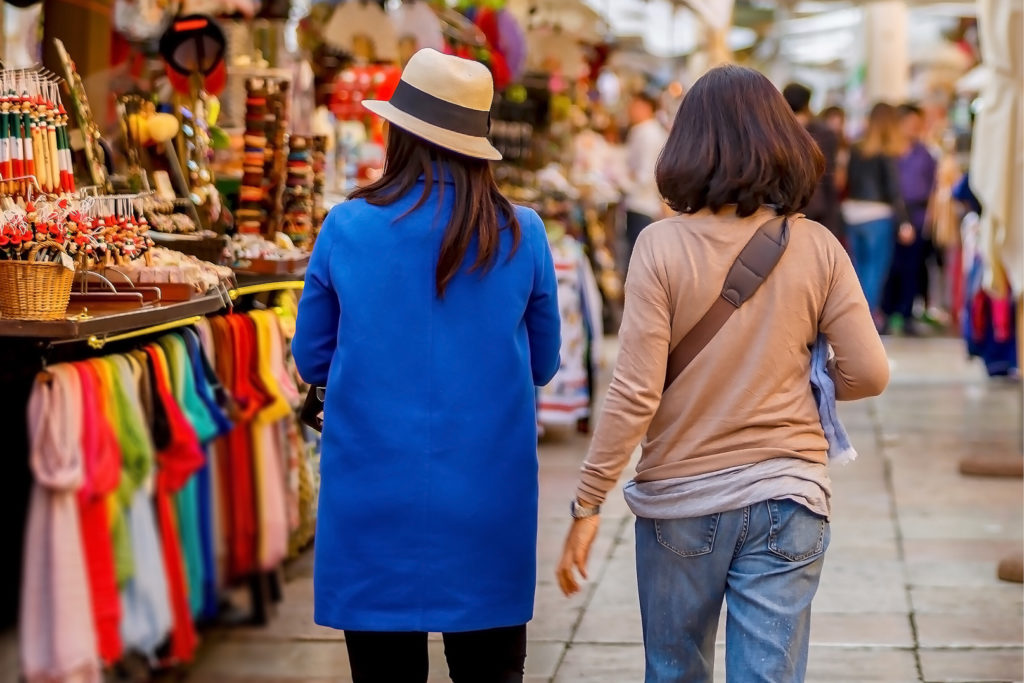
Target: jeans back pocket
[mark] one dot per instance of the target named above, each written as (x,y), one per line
(797,533)
(688,537)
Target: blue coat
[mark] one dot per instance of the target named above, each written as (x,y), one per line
(428,503)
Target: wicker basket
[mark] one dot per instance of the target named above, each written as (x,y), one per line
(35,291)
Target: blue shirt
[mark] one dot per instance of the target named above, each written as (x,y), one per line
(428,504)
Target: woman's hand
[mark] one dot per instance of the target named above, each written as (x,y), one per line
(577,551)
(907,234)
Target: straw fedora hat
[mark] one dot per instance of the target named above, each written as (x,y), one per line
(444,100)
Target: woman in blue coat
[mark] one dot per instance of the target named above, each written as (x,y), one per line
(430,314)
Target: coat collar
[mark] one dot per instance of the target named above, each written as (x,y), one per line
(441,173)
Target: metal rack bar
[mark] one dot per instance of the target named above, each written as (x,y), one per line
(239,292)
(97,342)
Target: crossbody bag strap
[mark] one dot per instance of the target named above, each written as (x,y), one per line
(751,268)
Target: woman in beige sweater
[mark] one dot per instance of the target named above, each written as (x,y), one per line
(732,489)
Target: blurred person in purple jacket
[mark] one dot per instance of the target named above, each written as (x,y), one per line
(917,168)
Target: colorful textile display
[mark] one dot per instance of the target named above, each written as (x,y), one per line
(56,633)
(566,400)
(163,475)
(988,320)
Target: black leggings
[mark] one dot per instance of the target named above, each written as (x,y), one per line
(492,656)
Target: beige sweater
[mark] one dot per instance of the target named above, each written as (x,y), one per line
(747,397)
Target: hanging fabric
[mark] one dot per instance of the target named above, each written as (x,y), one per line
(101,457)
(268,446)
(176,463)
(146,611)
(567,398)
(56,632)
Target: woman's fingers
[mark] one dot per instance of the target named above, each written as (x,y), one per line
(580,557)
(566,578)
(576,554)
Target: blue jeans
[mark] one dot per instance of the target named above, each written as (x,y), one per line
(764,560)
(872,246)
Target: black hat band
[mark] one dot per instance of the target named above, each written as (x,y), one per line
(441,113)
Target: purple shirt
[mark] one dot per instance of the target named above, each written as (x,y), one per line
(917,178)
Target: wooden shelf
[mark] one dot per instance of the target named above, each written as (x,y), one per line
(108,321)
(245,278)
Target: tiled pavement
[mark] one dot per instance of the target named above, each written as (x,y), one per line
(909,591)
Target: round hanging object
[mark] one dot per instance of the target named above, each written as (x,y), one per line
(194,46)
(162,127)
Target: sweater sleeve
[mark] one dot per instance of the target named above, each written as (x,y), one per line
(860,367)
(543,320)
(316,326)
(638,380)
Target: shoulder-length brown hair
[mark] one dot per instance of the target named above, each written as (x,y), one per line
(883,136)
(480,211)
(736,141)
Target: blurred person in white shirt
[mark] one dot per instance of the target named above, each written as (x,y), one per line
(644,143)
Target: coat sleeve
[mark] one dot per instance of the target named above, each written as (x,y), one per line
(543,321)
(316,326)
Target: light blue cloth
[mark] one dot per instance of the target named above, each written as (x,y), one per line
(840,450)
(145,607)
(427,515)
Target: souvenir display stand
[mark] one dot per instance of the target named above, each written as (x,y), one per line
(160,470)
(160,382)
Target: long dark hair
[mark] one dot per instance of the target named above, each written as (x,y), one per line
(480,210)
(736,141)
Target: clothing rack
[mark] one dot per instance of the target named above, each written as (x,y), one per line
(285,285)
(97,342)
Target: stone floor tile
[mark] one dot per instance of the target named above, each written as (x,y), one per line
(831,664)
(970,630)
(855,531)
(602,664)
(972,665)
(1005,525)
(1003,599)
(273,660)
(958,549)
(862,630)
(859,586)
(952,573)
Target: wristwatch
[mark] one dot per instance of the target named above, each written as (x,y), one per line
(579,511)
